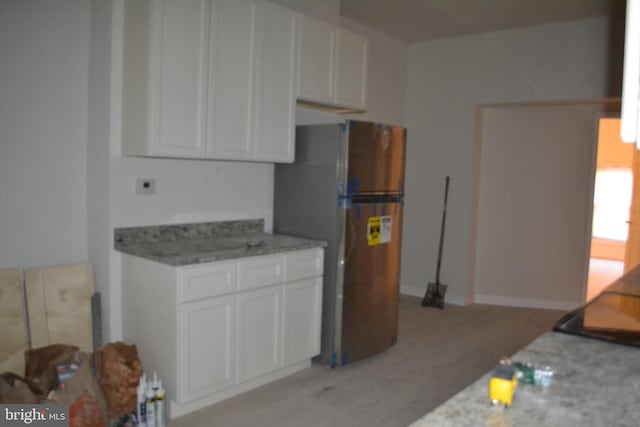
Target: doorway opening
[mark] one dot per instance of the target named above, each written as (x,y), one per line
(611,206)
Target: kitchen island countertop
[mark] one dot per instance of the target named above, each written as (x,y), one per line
(595,384)
(188,244)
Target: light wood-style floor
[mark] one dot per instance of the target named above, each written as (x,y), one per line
(438,353)
(601,273)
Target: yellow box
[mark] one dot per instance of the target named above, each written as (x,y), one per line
(502,385)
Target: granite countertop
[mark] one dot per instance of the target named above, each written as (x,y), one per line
(186,244)
(595,384)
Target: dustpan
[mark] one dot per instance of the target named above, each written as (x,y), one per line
(434,297)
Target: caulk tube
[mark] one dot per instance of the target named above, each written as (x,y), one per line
(150,406)
(141,411)
(155,386)
(160,405)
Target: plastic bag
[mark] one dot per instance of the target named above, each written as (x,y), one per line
(87,407)
(14,389)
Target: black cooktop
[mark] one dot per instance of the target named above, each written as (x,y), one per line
(612,316)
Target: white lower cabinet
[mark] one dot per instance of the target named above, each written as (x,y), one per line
(207,346)
(302,316)
(259,332)
(215,330)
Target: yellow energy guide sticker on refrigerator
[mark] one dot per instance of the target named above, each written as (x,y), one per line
(379,230)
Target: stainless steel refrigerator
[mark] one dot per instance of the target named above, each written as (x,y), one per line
(346,187)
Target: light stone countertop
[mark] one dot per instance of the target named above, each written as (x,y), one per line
(187,244)
(595,384)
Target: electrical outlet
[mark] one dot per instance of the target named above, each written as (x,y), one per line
(145,186)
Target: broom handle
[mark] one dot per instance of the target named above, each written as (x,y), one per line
(444,221)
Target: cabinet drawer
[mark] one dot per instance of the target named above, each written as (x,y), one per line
(207,281)
(303,264)
(260,271)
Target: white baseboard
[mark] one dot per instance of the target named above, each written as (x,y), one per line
(417,291)
(525,302)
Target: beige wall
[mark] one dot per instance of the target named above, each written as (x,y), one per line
(534,174)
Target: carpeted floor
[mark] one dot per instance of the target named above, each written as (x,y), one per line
(438,353)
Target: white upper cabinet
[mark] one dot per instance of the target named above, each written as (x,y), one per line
(165,69)
(332,65)
(209,79)
(316,61)
(275,116)
(351,65)
(629,129)
(231,83)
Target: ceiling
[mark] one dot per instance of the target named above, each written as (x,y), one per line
(422,20)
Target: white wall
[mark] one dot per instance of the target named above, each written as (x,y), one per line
(447,79)
(44,47)
(98,149)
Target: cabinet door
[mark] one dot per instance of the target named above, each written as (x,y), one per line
(259,332)
(231,91)
(206,353)
(179,31)
(316,67)
(351,70)
(275,66)
(302,317)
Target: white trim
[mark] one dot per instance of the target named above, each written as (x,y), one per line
(525,302)
(631,73)
(114,306)
(418,291)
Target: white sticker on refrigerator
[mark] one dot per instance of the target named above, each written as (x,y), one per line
(385,229)
(379,230)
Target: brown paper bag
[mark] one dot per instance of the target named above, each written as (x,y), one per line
(119,371)
(40,366)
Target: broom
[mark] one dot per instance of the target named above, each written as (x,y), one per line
(434,297)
